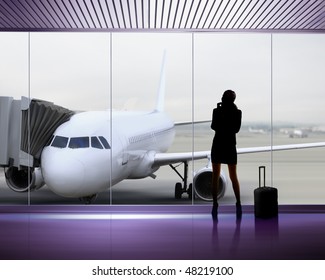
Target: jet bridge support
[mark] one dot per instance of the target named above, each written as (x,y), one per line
(26,126)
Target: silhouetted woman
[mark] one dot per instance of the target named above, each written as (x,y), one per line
(226,122)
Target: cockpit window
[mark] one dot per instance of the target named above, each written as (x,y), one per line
(95,143)
(60,142)
(79,142)
(104,142)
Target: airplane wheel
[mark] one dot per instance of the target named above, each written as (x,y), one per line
(88,199)
(190,191)
(178,191)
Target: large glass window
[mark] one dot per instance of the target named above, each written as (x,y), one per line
(278,79)
(72,70)
(14,79)
(298,110)
(240,62)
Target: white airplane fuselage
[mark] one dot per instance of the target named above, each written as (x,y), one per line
(95,150)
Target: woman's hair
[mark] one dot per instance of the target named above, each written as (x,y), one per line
(228,97)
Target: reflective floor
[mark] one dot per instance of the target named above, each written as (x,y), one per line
(159,232)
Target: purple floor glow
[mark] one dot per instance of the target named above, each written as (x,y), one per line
(154,232)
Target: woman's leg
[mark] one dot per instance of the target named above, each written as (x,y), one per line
(232,168)
(235,185)
(216,168)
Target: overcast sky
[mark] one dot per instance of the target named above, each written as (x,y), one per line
(283,72)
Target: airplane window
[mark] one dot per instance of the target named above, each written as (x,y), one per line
(60,142)
(79,142)
(104,142)
(95,143)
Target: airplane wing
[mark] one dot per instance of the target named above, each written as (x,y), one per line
(170,158)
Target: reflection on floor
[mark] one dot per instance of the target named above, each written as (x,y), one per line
(159,232)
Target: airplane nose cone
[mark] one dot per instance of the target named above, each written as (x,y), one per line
(64,176)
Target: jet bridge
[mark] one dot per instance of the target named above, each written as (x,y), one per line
(26,126)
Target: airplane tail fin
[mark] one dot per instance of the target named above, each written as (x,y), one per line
(160,103)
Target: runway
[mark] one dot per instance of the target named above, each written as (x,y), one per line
(159,232)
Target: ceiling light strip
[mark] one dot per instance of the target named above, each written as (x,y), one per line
(194,18)
(189,14)
(37,18)
(103,14)
(319,19)
(312,13)
(223,11)
(82,16)
(289,12)
(202,13)
(116,15)
(269,16)
(255,14)
(280,16)
(97,13)
(208,15)
(4,23)
(11,14)
(43,16)
(321,16)
(89,16)
(215,14)
(129,13)
(300,16)
(162,13)
(260,14)
(321,25)
(121,14)
(234,16)
(70,14)
(239,16)
(175,14)
(22,13)
(62,13)
(77,15)
(49,10)
(143,14)
(248,13)
(295,14)
(227,16)
(169,13)
(182,15)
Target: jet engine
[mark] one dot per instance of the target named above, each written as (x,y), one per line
(22,180)
(202,182)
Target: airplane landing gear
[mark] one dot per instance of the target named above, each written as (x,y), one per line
(88,199)
(182,188)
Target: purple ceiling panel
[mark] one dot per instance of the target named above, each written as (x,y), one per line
(163,15)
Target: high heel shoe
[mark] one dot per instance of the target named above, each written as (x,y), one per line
(214,211)
(239,211)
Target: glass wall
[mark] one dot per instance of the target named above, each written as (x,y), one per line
(241,62)
(14,81)
(298,110)
(137,68)
(278,79)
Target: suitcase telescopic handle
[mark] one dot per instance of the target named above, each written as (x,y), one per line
(260,169)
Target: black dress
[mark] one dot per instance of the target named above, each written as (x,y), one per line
(226,122)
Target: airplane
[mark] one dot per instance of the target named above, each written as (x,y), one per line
(95,150)
(298,133)
(256,130)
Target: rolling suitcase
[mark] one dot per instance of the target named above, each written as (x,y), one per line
(265,199)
